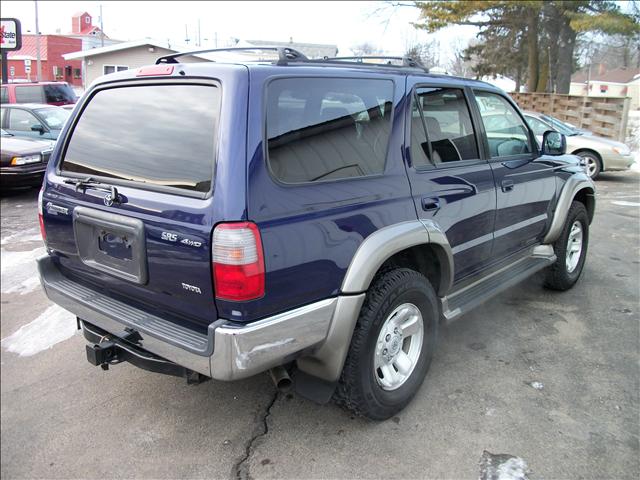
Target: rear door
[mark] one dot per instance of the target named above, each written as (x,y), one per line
(451,184)
(157,142)
(525,182)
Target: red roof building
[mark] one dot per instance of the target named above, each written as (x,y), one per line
(84,36)
(82,24)
(54,67)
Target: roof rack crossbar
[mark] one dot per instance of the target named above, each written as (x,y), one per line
(407,62)
(285,54)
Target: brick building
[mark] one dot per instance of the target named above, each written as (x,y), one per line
(54,66)
(84,35)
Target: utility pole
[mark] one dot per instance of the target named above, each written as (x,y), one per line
(186,34)
(38,56)
(199,39)
(101,28)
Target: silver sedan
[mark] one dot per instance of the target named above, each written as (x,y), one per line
(600,154)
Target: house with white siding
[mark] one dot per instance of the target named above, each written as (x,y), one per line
(123,56)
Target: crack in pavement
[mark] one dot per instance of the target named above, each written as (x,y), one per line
(240,470)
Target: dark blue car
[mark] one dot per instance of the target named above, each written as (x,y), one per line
(318,219)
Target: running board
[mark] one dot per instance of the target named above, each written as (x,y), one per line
(469,297)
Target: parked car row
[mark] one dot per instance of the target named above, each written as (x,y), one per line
(30,130)
(23,160)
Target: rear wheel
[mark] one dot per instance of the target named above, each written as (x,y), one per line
(594,166)
(571,249)
(392,345)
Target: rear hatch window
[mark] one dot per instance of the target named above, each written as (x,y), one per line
(154,135)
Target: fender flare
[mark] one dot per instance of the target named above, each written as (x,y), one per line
(573,185)
(326,361)
(386,242)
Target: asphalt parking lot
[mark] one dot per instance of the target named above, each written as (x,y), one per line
(549,378)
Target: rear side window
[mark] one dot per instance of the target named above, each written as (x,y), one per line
(4,95)
(322,129)
(59,94)
(441,128)
(163,135)
(30,94)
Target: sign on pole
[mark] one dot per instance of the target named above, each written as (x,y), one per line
(10,34)
(10,39)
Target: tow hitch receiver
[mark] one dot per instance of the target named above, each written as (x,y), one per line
(107,349)
(102,353)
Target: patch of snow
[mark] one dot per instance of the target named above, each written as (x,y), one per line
(537,385)
(513,469)
(31,235)
(18,270)
(624,203)
(26,286)
(52,326)
(502,466)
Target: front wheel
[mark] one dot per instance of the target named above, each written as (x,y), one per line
(571,249)
(593,164)
(392,345)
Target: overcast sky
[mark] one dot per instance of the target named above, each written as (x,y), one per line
(343,23)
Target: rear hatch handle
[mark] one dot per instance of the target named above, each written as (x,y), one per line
(81,184)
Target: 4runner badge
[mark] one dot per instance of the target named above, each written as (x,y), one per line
(56,209)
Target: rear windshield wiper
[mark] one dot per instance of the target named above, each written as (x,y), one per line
(81,184)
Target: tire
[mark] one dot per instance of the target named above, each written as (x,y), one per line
(561,275)
(396,295)
(594,164)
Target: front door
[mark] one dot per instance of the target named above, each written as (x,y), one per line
(451,184)
(20,123)
(525,182)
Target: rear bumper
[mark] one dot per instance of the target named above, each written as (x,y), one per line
(615,162)
(227,351)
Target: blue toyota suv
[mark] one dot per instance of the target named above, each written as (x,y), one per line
(318,219)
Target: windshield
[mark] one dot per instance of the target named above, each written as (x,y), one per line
(559,125)
(59,94)
(157,134)
(54,118)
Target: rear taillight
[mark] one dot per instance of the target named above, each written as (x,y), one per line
(40,219)
(238,262)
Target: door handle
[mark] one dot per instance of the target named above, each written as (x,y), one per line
(430,203)
(507,185)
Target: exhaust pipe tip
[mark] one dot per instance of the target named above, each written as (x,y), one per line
(281,378)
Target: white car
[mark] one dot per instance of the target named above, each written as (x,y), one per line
(600,154)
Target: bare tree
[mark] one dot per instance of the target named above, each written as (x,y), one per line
(461,64)
(428,53)
(365,48)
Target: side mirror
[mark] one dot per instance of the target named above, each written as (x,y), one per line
(554,143)
(38,128)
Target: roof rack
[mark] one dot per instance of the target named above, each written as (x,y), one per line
(407,62)
(288,55)
(285,54)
